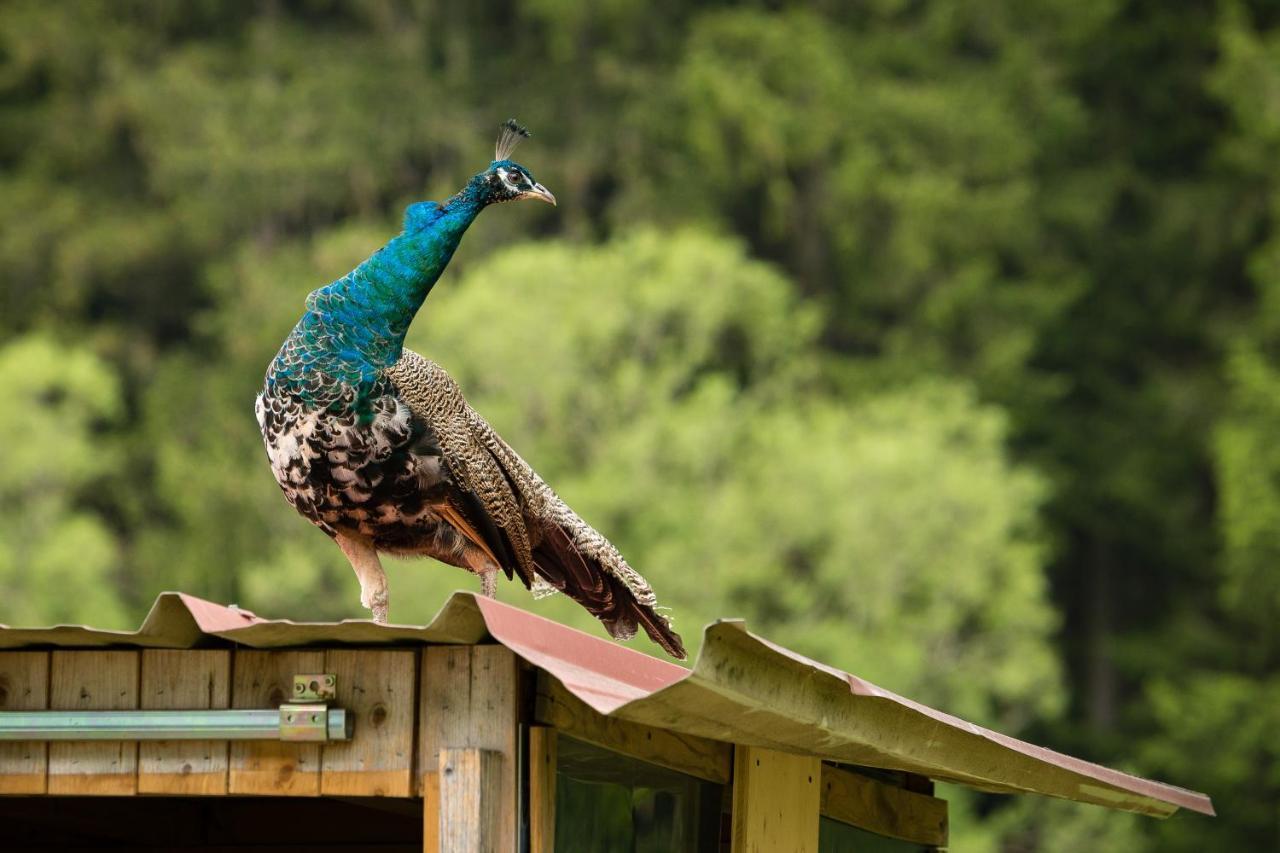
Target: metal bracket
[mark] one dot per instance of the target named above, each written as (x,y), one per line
(315,688)
(305,723)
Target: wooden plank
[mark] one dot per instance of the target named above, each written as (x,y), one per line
(883,809)
(93,681)
(265,680)
(24,686)
(469,697)
(696,756)
(542,789)
(471,813)
(775,801)
(430,787)
(377,687)
(184,680)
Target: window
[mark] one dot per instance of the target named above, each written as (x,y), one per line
(611,803)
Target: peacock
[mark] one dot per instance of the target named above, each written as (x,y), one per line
(377,446)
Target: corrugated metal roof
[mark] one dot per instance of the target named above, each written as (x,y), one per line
(742,689)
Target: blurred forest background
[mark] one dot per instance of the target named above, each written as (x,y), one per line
(937,339)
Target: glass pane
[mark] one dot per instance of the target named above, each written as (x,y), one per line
(610,803)
(837,837)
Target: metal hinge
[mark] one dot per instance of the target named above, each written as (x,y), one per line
(309,721)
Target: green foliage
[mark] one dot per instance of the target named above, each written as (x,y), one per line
(58,557)
(937,339)
(1249,465)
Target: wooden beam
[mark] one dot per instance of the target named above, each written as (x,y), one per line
(542,789)
(184,680)
(376,687)
(469,698)
(883,809)
(265,680)
(24,686)
(696,756)
(93,681)
(471,810)
(775,801)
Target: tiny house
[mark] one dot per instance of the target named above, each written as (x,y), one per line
(490,729)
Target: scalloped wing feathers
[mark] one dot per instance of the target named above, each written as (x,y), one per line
(530,531)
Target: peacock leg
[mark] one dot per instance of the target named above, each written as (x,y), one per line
(479,562)
(368,568)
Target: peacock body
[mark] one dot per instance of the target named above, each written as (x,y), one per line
(378,447)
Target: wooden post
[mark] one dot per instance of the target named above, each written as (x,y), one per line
(776,796)
(542,789)
(469,699)
(184,680)
(24,686)
(94,681)
(471,811)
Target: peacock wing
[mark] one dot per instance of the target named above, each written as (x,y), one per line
(479,502)
(549,543)
(573,557)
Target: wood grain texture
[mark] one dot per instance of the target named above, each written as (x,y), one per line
(775,801)
(471,812)
(469,697)
(883,809)
(24,686)
(93,681)
(429,784)
(699,757)
(377,687)
(265,680)
(184,680)
(542,789)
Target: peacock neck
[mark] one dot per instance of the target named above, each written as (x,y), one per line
(355,327)
(375,303)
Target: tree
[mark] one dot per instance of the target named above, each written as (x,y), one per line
(58,557)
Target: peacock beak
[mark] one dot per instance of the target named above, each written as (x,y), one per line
(539,192)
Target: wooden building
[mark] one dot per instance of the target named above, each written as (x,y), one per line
(488,730)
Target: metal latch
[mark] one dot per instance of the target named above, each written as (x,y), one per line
(310,721)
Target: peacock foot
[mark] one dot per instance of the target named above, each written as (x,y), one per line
(375,598)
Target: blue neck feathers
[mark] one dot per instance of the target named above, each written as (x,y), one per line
(355,327)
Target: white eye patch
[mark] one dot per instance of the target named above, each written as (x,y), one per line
(511,178)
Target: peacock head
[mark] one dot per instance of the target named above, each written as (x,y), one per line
(506,180)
